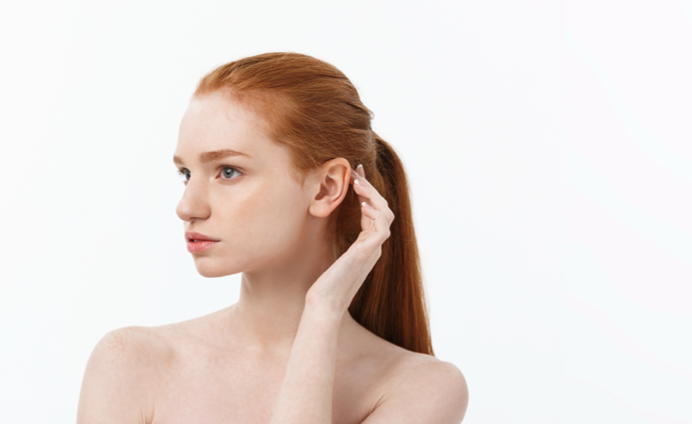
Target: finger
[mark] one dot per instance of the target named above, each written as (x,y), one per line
(366,192)
(369,193)
(379,221)
(368,210)
(360,170)
(367,221)
(362,180)
(356,175)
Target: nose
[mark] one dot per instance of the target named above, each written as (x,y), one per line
(193,204)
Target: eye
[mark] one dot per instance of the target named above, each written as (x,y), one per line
(228,172)
(184,173)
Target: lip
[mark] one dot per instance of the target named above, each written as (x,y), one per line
(194,235)
(198,242)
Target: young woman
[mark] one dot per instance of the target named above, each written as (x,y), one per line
(286,183)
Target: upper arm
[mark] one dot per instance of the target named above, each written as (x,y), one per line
(435,393)
(118,379)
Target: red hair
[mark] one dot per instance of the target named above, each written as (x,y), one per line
(314,110)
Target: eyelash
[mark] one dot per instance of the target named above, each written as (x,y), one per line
(185,173)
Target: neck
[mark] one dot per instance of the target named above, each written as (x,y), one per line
(272,299)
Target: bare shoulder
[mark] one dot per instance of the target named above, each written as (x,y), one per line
(122,376)
(422,389)
(134,344)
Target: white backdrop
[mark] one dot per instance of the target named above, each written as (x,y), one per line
(472,95)
(628,203)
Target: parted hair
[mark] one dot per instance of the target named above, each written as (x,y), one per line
(312,108)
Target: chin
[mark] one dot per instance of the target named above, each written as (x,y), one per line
(213,269)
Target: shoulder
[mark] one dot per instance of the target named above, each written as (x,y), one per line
(423,389)
(123,374)
(132,350)
(434,382)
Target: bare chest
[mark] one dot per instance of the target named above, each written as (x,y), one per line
(213,389)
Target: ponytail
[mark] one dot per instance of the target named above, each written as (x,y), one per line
(391,303)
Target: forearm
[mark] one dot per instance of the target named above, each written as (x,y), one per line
(308,387)
(306,393)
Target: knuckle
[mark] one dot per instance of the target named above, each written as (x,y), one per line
(384,235)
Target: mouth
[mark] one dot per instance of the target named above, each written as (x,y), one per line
(193,236)
(199,246)
(198,242)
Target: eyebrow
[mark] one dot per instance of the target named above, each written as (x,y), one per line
(212,156)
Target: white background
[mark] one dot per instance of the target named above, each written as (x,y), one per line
(479,99)
(628,204)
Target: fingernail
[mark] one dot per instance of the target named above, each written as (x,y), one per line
(366,205)
(356,182)
(359,166)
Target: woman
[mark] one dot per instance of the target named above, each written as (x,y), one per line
(283,178)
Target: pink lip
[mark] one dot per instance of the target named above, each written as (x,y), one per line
(199,246)
(198,242)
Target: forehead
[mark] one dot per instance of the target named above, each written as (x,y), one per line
(216,122)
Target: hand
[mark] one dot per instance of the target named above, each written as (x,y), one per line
(339,283)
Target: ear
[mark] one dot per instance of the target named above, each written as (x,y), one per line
(329,185)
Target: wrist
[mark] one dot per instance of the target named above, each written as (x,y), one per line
(326,308)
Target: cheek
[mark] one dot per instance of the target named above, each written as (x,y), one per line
(277,214)
(269,208)
(260,225)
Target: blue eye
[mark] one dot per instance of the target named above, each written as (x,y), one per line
(227,173)
(184,174)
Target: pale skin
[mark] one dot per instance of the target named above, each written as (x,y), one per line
(288,351)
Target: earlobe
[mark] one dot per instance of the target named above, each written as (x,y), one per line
(331,183)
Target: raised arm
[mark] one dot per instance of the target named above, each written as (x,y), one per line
(307,389)
(431,392)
